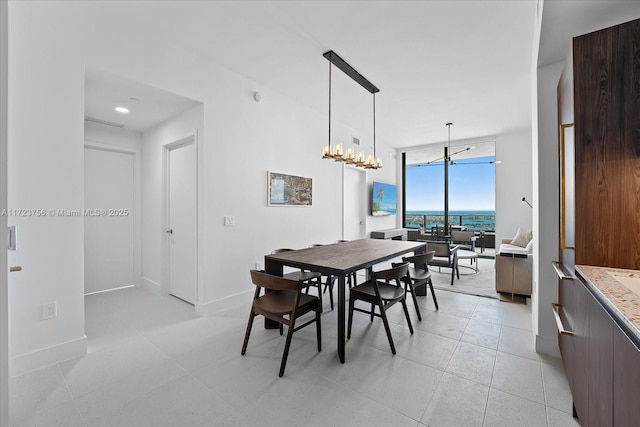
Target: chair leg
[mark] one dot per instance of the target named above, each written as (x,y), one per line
(350,318)
(287,344)
(330,282)
(371,313)
(415,301)
(433,294)
(453,273)
(406,314)
(319,283)
(387,329)
(319,328)
(248,332)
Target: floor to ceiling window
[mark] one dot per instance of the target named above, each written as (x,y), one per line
(471,185)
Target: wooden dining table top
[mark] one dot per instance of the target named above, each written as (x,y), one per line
(345,257)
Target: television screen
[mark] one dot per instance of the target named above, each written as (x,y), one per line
(384,198)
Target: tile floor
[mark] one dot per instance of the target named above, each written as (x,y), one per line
(151,362)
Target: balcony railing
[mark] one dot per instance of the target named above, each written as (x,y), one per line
(480,222)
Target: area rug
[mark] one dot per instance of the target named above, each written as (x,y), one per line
(481,283)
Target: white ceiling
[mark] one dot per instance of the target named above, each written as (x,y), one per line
(105,91)
(466,62)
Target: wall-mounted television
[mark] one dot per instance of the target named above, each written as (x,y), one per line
(384,199)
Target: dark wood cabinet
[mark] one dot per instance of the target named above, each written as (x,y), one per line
(599,162)
(626,380)
(600,365)
(606,105)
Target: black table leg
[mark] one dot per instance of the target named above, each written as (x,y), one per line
(341,317)
(276,269)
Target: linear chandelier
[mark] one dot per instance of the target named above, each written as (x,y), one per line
(337,153)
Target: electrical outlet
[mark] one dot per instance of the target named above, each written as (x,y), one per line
(49,311)
(228,221)
(258,265)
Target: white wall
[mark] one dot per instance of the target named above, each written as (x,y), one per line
(513,182)
(546,251)
(111,136)
(109,229)
(241,141)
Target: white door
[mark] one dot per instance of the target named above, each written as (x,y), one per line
(109,234)
(182,225)
(354,213)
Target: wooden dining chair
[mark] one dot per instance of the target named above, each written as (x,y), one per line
(383,290)
(329,282)
(445,255)
(352,278)
(284,303)
(420,276)
(309,278)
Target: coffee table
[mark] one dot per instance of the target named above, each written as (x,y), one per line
(470,255)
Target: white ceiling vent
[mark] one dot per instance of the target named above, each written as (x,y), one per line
(103,122)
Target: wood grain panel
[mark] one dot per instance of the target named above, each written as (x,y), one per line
(607,137)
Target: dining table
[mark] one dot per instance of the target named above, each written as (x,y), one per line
(340,260)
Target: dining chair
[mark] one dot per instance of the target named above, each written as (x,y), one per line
(352,278)
(420,276)
(383,290)
(309,278)
(445,255)
(283,303)
(329,281)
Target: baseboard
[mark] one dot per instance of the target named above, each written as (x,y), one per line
(25,363)
(151,286)
(547,345)
(212,307)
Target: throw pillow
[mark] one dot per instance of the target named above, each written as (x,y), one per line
(522,238)
(530,247)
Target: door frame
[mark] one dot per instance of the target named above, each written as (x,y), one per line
(191,138)
(137,202)
(4,268)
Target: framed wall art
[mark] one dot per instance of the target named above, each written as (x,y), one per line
(288,190)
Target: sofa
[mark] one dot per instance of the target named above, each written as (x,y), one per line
(514,265)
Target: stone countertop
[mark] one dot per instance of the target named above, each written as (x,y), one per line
(622,304)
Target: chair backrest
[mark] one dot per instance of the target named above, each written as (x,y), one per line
(462,236)
(420,261)
(440,249)
(274,283)
(397,272)
(439,231)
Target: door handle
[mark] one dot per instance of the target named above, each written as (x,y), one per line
(170,231)
(15,268)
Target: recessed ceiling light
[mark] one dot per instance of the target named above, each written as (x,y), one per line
(122,109)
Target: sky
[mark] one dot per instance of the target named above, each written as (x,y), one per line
(472,186)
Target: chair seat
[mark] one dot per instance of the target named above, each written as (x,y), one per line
(387,291)
(301,276)
(444,262)
(419,274)
(282,302)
